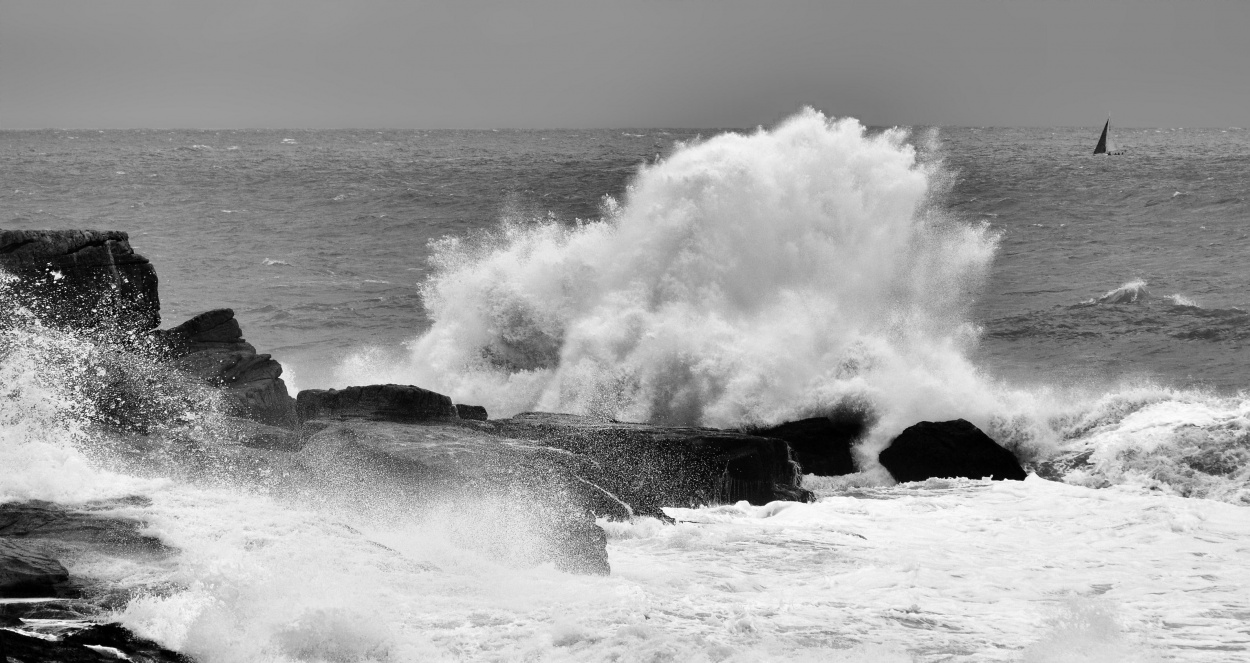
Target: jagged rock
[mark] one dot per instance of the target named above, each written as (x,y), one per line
(948,449)
(27,571)
(672,466)
(211,347)
(821,445)
(81,279)
(379,402)
(514,501)
(474,412)
(97,643)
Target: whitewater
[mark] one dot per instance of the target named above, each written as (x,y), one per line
(739,279)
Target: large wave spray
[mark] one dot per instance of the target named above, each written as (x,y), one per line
(745,279)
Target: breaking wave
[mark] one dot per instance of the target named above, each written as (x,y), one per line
(750,279)
(744,279)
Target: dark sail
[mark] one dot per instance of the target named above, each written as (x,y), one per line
(1101,148)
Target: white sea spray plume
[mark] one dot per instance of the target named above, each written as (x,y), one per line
(746,278)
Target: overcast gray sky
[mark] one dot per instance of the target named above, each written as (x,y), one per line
(620,63)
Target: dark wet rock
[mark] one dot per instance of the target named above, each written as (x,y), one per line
(81,279)
(515,501)
(90,526)
(378,402)
(61,609)
(820,445)
(27,571)
(948,449)
(671,466)
(211,347)
(473,412)
(96,643)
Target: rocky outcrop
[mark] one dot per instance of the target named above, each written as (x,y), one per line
(96,643)
(211,347)
(820,445)
(948,449)
(671,466)
(379,402)
(474,412)
(516,502)
(27,571)
(64,530)
(81,279)
(34,537)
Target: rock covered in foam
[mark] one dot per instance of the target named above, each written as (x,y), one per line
(379,402)
(517,502)
(211,347)
(948,449)
(672,466)
(81,279)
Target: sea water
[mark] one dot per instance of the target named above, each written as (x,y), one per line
(1088,312)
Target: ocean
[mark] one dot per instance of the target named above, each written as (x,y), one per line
(1088,312)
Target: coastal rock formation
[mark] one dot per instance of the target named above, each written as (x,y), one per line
(34,537)
(379,402)
(475,412)
(81,279)
(820,445)
(672,466)
(211,347)
(516,502)
(948,449)
(26,571)
(96,643)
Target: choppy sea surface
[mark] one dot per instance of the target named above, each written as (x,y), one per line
(1089,312)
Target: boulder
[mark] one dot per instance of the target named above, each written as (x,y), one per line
(81,279)
(474,412)
(948,449)
(27,571)
(670,466)
(820,445)
(211,347)
(513,501)
(379,402)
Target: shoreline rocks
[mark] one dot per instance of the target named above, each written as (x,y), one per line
(211,347)
(378,402)
(675,466)
(948,449)
(821,445)
(82,279)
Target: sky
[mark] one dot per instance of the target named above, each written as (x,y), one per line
(620,63)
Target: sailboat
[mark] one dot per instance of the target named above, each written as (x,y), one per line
(1105,144)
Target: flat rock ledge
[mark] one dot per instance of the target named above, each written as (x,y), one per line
(379,402)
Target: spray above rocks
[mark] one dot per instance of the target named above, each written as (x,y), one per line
(744,279)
